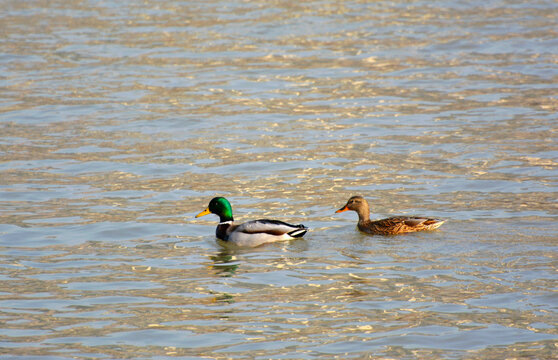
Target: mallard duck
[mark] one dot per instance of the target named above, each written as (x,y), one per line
(389,226)
(251,233)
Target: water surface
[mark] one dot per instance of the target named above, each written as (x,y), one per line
(120,121)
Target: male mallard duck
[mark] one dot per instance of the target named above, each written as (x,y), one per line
(251,233)
(389,226)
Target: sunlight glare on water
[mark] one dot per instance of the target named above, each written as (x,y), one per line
(121,120)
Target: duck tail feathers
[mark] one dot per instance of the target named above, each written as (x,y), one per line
(298,232)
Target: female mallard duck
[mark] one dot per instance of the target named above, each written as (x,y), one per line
(251,233)
(389,226)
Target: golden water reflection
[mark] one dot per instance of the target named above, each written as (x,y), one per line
(121,121)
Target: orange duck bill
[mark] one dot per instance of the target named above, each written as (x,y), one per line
(344,208)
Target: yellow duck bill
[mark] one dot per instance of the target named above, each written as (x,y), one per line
(203,213)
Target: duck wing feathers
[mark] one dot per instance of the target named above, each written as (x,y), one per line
(257,232)
(400,225)
(271,227)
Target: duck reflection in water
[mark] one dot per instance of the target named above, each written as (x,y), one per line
(225,263)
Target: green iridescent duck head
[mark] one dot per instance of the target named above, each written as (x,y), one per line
(220,207)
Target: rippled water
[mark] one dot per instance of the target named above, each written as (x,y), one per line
(121,120)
